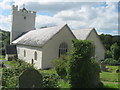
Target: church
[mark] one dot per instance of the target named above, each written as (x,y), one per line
(41,46)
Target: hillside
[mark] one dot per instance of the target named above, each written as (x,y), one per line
(4,41)
(108,40)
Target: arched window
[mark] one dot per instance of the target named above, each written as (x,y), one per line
(35,55)
(63,48)
(24,53)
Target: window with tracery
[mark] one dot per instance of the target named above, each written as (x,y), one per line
(63,48)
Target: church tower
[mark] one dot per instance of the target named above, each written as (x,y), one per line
(22,22)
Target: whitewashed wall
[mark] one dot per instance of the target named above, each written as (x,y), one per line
(51,48)
(99,48)
(30,54)
(19,24)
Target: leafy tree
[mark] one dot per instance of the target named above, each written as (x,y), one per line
(10,75)
(107,40)
(60,65)
(108,54)
(4,41)
(83,71)
(115,50)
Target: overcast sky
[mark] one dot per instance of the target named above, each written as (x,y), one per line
(103,16)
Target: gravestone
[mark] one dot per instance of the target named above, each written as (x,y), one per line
(103,66)
(30,78)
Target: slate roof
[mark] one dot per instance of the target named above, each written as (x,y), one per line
(38,37)
(41,36)
(82,34)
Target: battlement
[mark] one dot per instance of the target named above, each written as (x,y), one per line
(15,8)
(23,20)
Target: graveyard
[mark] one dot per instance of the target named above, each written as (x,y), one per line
(109,78)
(20,73)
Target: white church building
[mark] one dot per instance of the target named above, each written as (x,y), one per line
(41,46)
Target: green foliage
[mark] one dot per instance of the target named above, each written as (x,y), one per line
(4,41)
(83,71)
(110,76)
(60,66)
(50,80)
(82,50)
(63,84)
(10,75)
(111,86)
(108,40)
(110,61)
(115,50)
(108,54)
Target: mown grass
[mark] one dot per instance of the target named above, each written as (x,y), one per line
(110,75)
(12,63)
(110,78)
(2,57)
(50,71)
(111,85)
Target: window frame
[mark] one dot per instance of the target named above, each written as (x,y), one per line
(24,53)
(63,49)
(35,55)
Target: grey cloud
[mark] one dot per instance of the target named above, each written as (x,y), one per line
(54,7)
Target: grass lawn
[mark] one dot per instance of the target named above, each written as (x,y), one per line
(110,78)
(2,57)
(12,63)
(111,85)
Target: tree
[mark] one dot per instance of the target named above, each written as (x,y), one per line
(108,40)
(83,71)
(4,41)
(115,50)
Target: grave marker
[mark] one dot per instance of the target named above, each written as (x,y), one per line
(30,78)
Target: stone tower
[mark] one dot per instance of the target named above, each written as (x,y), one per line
(22,22)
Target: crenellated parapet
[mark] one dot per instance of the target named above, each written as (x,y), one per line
(23,20)
(15,8)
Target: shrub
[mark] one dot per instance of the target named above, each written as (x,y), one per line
(60,66)
(110,61)
(50,80)
(115,50)
(10,75)
(83,71)
(108,54)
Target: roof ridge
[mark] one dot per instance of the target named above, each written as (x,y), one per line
(46,35)
(52,27)
(84,29)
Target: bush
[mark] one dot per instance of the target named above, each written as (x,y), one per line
(60,66)
(10,75)
(83,71)
(115,50)
(50,80)
(108,54)
(110,61)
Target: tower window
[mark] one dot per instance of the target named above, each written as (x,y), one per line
(35,55)
(63,48)
(24,17)
(24,53)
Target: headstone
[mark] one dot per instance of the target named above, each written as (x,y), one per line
(103,66)
(117,70)
(30,78)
